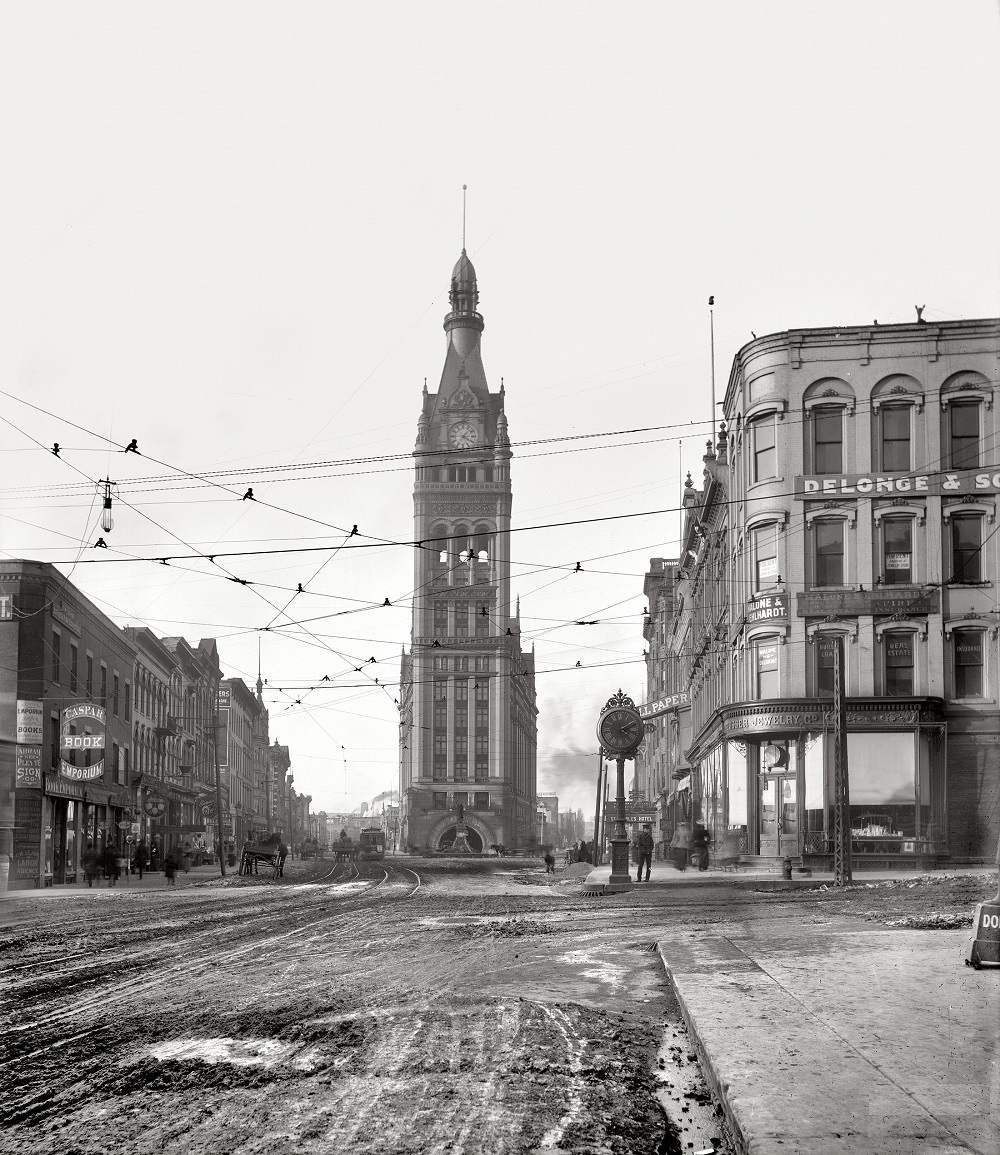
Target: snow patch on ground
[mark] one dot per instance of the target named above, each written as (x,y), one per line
(239,1052)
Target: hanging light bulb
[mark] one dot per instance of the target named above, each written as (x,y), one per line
(107,521)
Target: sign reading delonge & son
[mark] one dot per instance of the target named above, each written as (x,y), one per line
(88,717)
(953,483)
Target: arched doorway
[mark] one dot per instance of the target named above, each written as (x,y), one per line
(473,840)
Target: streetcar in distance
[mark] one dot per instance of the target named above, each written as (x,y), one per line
(371,844)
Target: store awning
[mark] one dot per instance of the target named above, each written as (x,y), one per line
(684,783)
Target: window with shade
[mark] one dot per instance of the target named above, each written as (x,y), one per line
(828,439)
(963,440)
(966,548)
(829,553)
(763,448)
(765,556)
(894,422)
(765,652)
(898,664)
(897,551)
(968,654)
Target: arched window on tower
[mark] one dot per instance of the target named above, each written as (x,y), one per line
(482,542)
(461,543)
(439,541)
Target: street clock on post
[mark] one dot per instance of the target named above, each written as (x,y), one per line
(620,729)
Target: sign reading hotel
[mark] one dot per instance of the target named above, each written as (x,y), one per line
(87,716)
(662,705)
(956,483)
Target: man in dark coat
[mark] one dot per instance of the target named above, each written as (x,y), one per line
(282,855)
(110,864)
(644,851)
(141,858)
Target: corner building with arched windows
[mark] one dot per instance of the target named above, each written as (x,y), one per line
(849,500)
(468,737)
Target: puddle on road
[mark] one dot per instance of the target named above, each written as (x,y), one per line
(238,1052)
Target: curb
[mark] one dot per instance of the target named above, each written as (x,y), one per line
(712,1078)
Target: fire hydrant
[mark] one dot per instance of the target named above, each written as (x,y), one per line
(786,868)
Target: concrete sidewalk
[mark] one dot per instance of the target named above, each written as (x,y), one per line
(151,880)
(827,1038)
(663,874)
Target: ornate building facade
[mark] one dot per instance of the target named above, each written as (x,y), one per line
(848,506)
(468,736)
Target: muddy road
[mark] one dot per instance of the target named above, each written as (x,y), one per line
(404,1006)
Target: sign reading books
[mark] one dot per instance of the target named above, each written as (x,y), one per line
(82,729)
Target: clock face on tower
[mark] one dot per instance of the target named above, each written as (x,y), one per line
(620,730)
(463,435)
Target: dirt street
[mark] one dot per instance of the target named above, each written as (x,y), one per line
(410,1006)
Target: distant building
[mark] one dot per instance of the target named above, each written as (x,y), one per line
(467,710)
(849,504)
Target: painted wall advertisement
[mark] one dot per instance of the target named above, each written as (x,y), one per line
(27,862)
(28,768)
(29,722)
(90,721)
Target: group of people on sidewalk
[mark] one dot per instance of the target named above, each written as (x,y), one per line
(685,845)
(111,862)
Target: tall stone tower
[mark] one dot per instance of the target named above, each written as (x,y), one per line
(468,735)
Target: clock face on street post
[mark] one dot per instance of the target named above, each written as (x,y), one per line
(620,730)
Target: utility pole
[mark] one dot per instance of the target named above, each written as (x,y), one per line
(218,796)
(841,778)
(601,772)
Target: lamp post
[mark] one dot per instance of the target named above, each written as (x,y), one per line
(620,731)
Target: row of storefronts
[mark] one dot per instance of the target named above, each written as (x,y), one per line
(846,517)
(113,739)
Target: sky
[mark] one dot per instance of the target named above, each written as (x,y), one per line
(227,231)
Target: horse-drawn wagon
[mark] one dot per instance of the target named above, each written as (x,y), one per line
(266,853)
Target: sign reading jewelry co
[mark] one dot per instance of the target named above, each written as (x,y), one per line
(86,717)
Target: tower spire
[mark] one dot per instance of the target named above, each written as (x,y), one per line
(464,187)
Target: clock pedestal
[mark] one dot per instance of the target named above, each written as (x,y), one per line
(621,873)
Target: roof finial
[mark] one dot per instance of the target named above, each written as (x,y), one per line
(464,187)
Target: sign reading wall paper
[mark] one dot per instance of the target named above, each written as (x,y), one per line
(92,719)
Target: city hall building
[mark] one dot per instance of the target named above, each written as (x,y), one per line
(848,503)
(467,731)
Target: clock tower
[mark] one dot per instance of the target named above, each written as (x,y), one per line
(467,731)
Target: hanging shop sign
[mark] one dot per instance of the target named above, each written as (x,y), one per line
(90,719)
(28,768)
(27,835)
(30,716)
(766,609)
(662,705)
(956,483)
(81,773)
(154,807)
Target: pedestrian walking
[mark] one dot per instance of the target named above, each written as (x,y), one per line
(699,843)
(550,862)
(186,858)
(644,849)
(141,859)
(170,869)
(282,855)
(679,846)
(110,863)
(91,864)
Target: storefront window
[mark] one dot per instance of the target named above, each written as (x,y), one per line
(737,783)
(883,786)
